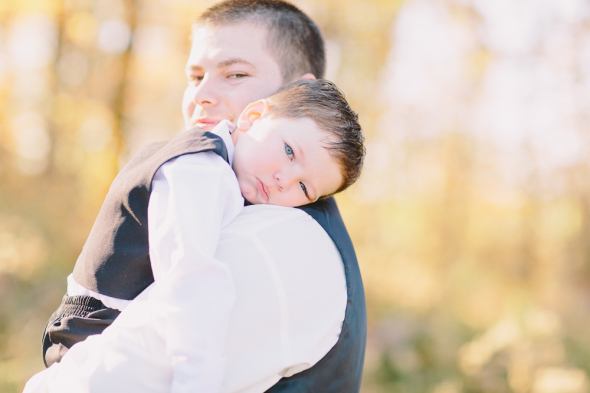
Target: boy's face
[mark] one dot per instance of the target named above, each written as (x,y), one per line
(282,162)
(228,68)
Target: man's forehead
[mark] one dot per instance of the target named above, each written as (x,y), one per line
(213,28)
(226,41)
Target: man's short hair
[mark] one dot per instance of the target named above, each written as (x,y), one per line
(293,38)
(321,101)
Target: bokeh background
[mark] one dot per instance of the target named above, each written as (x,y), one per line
(471,220)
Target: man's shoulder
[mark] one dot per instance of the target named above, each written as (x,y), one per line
(256,218)
(323,213)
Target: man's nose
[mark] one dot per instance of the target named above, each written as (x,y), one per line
(206,93)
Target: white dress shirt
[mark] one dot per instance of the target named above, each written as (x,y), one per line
(235,305)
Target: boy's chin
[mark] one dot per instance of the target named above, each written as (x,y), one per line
(250,201)
(251,196)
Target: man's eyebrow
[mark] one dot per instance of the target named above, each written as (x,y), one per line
(221,64)
(190,68)
(236,60)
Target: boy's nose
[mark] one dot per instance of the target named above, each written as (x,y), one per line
(285,180)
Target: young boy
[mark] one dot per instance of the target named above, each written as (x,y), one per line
(301,144)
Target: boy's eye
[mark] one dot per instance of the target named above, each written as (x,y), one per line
(289,151)
(304,189)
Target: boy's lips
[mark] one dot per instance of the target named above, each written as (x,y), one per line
(262,190)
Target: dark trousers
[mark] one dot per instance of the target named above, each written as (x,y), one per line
(76,318)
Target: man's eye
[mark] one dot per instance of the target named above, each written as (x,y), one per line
(289,151)
(195,78)
(236,76)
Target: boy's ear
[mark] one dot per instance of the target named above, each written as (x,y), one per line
(308,76)
(253,112)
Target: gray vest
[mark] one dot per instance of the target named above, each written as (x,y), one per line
(115,259)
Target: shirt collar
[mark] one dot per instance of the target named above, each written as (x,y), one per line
(223,129)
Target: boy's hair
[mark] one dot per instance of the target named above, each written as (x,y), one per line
(293,39)
(321,101)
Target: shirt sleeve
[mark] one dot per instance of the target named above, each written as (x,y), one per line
(192,198)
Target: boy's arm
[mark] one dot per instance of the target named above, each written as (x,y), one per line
(192,198)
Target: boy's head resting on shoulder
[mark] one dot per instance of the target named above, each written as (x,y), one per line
(299,145)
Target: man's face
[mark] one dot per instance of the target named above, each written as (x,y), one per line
(283,162)
(228,68)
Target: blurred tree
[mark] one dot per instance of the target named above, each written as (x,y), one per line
(471,219)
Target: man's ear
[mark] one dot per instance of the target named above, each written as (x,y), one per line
(253,112)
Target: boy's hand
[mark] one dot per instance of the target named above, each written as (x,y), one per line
(230,126)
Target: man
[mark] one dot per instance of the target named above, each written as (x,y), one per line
(243,51)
